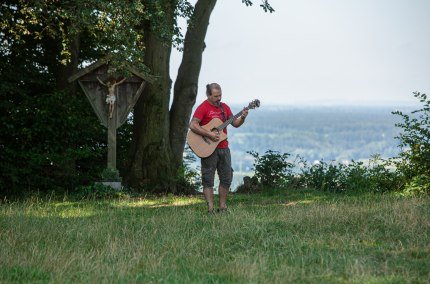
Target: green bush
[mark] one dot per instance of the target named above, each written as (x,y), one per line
(110,174)
(377,176)
(48,142)
(356,177)
(383,176)
(414,160)
(325,176)
(97,191)
(188,180)
(273,168)
(418,185)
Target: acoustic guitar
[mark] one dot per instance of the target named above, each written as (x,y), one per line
(203,146)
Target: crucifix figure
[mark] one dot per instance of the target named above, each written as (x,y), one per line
(132,87)
(111,98)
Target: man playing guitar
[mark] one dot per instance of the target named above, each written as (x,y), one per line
(220,159)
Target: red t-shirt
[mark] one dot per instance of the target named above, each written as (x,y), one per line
(206,112)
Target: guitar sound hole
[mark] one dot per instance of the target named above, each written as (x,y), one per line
(215,130)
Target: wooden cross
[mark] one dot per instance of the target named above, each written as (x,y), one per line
(111,111)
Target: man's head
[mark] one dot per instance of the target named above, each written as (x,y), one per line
(214,93)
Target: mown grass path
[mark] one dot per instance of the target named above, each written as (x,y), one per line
(272,237)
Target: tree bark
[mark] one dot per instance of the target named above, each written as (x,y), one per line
(186,84)
(150,157)
(159,135)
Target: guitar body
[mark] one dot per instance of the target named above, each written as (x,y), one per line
(202,146)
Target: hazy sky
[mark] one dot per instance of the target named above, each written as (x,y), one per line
(318,52)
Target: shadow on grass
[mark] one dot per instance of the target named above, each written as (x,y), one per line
(282,197)
(67,208)
(174,232)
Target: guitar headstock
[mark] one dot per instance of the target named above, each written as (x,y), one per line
(254,104)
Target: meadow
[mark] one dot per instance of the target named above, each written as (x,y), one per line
(276,236)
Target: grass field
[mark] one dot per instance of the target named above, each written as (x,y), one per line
(284,236)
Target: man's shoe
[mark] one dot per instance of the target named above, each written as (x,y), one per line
(223,210)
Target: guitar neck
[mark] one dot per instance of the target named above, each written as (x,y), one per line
(230,120)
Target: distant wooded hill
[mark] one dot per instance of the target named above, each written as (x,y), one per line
(315,133)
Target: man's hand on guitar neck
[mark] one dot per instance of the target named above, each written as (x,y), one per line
(244,113)
(241,119)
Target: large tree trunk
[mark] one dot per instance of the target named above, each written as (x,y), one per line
(159,136)
(186,84)
(150,164)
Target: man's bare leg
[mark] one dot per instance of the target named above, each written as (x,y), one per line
(223,197)
(209,196)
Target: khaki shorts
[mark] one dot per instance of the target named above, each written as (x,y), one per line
(219,161)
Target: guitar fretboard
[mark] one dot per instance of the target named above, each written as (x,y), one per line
(230,120)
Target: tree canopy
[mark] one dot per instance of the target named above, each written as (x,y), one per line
(50,137)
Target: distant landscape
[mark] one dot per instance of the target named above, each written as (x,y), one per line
(340,134)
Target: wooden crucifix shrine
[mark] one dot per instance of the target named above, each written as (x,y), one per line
(112,98)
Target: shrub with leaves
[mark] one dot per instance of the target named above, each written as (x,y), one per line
(97,191)
(356,176)
(325,176)
(382,175)
(272,168)
(48,142)
(414,162)
(110,174)
(379,175)
(187,180)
